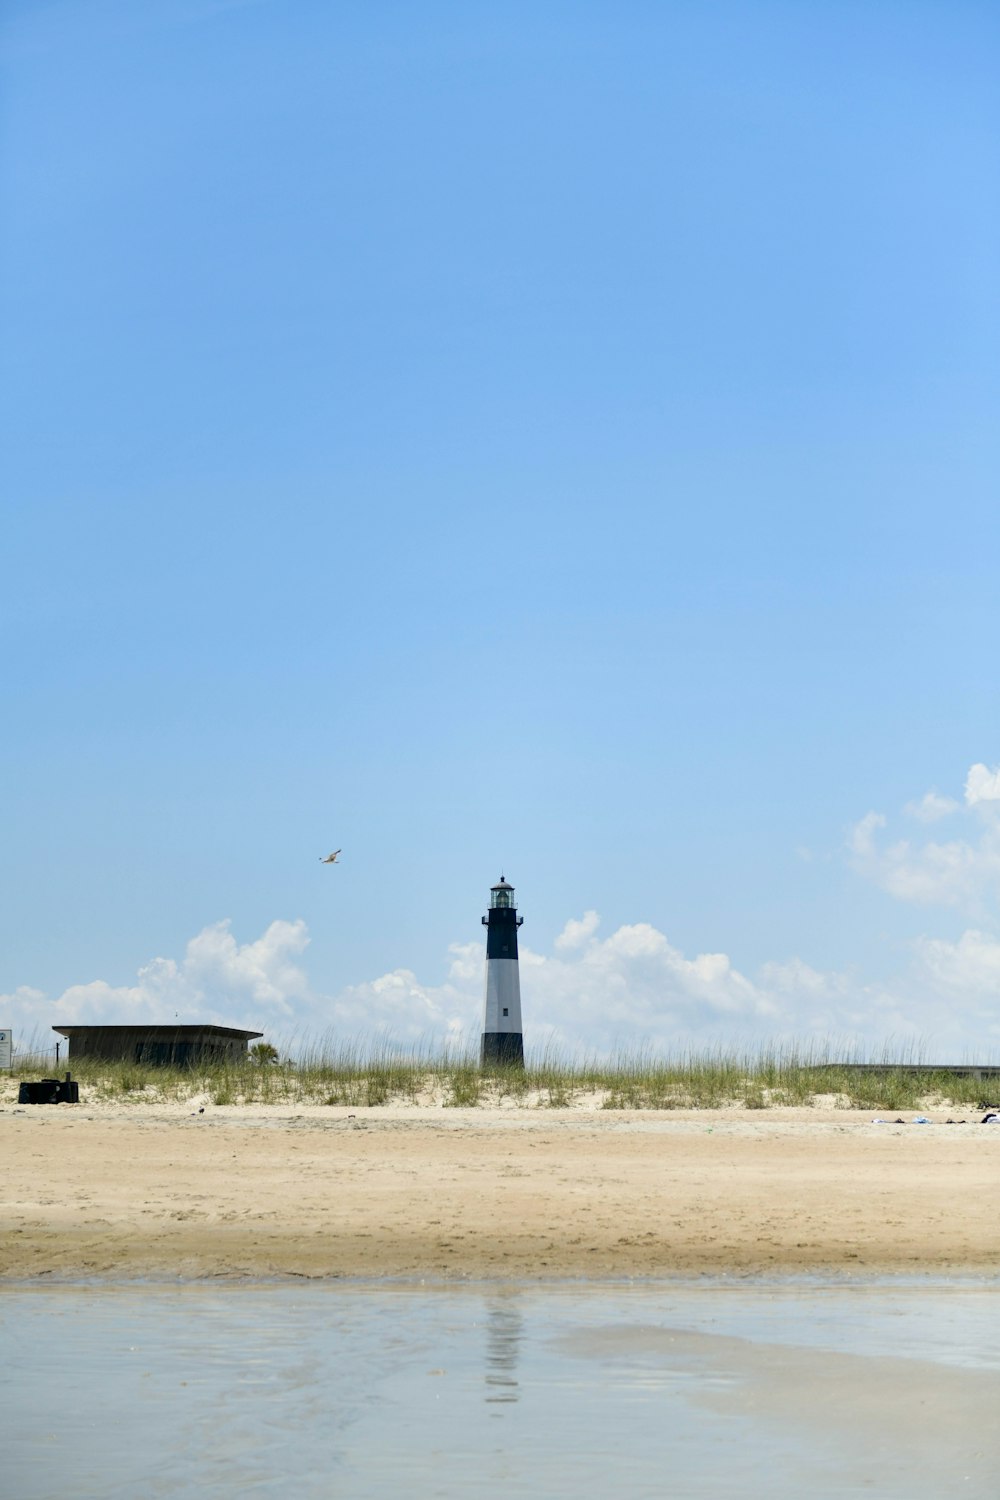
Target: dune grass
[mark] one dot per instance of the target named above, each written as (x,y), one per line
(364,1075)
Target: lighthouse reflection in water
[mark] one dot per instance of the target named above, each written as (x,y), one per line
(504,1331)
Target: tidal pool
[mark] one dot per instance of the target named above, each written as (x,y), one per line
(368,1391)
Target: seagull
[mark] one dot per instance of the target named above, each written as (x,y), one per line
(331,859)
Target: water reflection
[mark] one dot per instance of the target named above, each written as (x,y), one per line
(322,1392)
(504,1330)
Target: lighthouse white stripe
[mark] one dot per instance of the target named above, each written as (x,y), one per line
(503,992)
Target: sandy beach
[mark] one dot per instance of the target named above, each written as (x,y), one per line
(120,1191)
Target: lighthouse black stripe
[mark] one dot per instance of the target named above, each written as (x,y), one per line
(501,942)
(502,1047)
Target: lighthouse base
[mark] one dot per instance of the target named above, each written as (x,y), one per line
(502,1049)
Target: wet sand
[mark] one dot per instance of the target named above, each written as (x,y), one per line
(125,1191)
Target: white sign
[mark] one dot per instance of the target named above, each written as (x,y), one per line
(5,1047)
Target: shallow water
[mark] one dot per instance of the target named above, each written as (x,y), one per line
(366,1391)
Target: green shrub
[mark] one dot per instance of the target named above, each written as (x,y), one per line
(463,1087)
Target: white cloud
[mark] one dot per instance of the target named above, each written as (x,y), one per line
(634,989)
(576,933)
(961,872)
(968,967)
(954,874)
(398,1005)
(982,785)
(861,839)
(960,980)
(217,981)
(931,807)
(629,989)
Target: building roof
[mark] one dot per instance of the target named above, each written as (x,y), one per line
(177,1033)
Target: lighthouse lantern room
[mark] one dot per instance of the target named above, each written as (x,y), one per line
(503,1040)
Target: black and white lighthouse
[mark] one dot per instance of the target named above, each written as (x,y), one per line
(503,1040)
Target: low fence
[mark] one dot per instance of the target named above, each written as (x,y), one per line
(975,1071)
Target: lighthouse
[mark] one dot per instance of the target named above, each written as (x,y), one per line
(503,1041)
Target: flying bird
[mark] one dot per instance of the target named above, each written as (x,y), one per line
(331,859)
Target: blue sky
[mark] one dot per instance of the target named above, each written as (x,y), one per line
(552,437)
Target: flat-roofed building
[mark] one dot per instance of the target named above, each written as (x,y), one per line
(158,1046)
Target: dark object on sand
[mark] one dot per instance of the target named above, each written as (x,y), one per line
(50,1091)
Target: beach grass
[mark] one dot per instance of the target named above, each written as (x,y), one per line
(366,1074)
